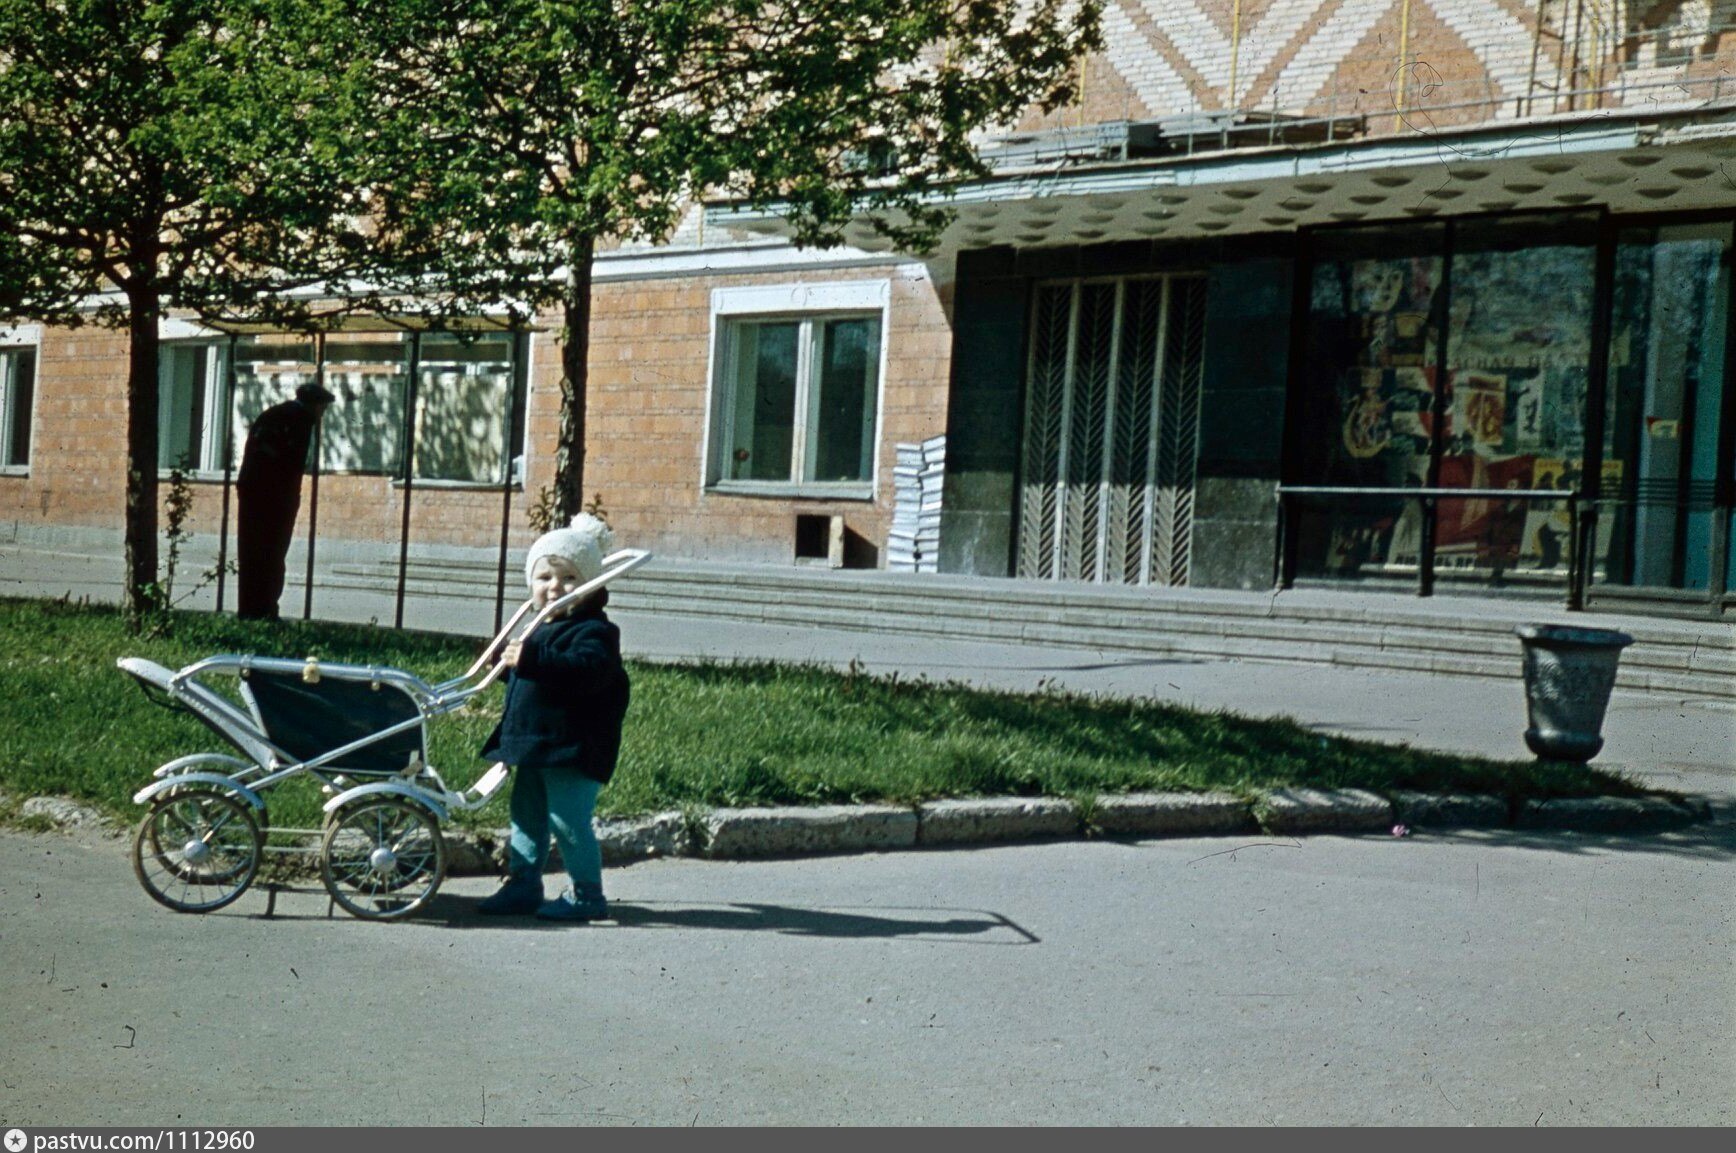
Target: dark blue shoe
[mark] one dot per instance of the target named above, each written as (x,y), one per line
(519,897)
(572,905)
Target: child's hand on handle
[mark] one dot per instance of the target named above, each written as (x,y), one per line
(509,655)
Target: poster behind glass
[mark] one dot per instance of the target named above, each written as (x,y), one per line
(1516,317)
(1367,421)
(1519,351)
(363,431)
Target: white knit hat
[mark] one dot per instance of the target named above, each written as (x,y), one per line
(585,543)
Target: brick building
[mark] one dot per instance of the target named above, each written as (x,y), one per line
(1365,254)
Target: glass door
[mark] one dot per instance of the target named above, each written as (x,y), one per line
(1666,394)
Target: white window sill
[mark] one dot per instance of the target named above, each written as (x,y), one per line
(14,470)
(788,491)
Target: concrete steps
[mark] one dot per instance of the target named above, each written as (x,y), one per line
(1445,634)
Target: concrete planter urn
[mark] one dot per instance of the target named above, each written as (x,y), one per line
(1569,673)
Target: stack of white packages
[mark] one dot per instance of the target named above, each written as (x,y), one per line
(913,543)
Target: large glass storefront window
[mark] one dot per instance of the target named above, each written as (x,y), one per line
(1518,357)
(268,370)
(1375,311)
(1666,386)
(1444,356)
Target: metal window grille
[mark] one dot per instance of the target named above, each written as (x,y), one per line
(1111,430)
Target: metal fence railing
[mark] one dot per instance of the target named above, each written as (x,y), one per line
(1598,530)
(1428,499)
(1416,101)
(404,477)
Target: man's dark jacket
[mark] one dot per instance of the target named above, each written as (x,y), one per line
(565,699)
(275,456)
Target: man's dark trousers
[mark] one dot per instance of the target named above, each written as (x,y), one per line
(264,526)
(269,496)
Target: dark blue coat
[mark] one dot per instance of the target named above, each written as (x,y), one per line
(565,699)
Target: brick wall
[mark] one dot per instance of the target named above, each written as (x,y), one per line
(646,418)
(78,442)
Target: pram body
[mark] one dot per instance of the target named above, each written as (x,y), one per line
(360,730)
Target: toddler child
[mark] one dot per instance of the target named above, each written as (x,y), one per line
(566,695)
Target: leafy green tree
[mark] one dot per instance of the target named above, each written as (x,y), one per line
(204,155)
(551,127)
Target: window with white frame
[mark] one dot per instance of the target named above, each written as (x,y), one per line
(17,400)
(796,388)
(465,387)
(190,406)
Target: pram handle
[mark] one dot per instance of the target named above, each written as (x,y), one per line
(616,564)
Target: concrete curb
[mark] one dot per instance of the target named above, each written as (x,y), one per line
(66,814)
(742,834)
(996,819)
(1450,810)
(1171,814)
(1323,811)
(738,833)
(1611,814)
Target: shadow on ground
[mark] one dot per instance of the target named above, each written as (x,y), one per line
(303,903)
(1715,841)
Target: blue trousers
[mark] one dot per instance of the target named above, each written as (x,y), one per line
(561,802)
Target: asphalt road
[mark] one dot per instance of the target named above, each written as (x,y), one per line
(1497,978)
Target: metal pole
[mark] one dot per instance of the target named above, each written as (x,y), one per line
(1278,574)
(1438,421)
(1724,483)
(1596,405)
(519,342)
(410,393)
(1295,387)
(1399,77)
(1235,57)
(228,469)
(1575,599)
(319,343)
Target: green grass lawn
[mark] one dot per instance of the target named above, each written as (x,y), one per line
(706,735)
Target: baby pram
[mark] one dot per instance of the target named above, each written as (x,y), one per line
(359,729)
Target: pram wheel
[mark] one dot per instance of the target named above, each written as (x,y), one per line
(382,858)
(196,851)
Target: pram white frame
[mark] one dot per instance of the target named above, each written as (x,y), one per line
(381,855)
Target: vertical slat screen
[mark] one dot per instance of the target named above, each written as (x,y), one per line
(1111,430)
(1039,493)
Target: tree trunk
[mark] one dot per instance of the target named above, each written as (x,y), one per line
(575,369)
(142,436)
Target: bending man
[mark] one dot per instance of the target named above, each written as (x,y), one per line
(269,495)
